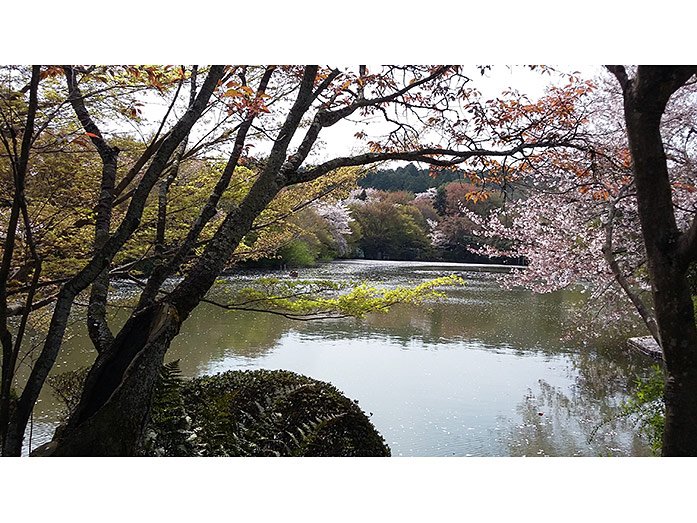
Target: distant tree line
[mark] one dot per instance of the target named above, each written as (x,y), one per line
(439,224)
(407,178)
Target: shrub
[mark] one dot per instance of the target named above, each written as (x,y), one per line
(297,254)
(246,413)
(278,413)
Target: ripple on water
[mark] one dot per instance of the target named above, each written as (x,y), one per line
(465,376)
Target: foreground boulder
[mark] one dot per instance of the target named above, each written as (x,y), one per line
(277,413)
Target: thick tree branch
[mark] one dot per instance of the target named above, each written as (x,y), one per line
(430,155)
(97,324)
(162,272)
(621,74)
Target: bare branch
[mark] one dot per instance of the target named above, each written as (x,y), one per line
(609,254)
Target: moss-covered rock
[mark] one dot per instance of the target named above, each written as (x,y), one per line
(277,413)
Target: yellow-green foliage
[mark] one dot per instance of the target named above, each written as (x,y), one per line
(647,408)
(65,172)
(308,299)
(61,192)
(279,223)
(187,196)
(273,229)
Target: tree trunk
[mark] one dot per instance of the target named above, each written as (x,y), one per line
(646,97)
(679,342)
(114,409)
(115,404)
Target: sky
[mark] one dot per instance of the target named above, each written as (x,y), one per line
(339,140)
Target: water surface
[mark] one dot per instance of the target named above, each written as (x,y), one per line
(483,372)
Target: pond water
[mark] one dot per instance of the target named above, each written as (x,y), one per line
(483,372)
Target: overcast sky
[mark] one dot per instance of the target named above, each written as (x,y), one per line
(339,139)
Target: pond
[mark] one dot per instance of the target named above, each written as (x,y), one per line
(483,372)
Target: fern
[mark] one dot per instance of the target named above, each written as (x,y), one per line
(170,432)
(310,434)
(258,431)
(278,413)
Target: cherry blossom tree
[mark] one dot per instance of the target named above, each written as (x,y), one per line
(616,210)
(338,217)
(649,93)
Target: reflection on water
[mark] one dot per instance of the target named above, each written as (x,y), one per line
(482,373)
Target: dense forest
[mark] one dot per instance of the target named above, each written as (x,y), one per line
(408,178)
